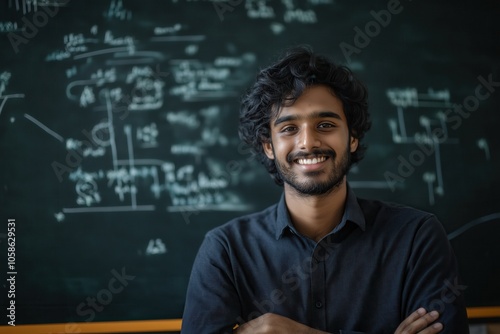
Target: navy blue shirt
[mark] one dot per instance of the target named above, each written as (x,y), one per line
(381,263)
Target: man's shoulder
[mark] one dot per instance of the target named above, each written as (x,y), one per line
(375,210)
(249,224)
(400,222)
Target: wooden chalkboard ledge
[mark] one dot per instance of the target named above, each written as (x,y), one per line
(483,312)
(171,325)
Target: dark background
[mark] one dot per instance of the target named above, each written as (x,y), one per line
(165,163)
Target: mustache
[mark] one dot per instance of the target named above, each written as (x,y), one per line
(309,155)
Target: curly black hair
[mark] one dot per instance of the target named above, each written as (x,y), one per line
(282,83)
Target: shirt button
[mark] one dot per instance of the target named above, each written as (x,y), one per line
(319,304)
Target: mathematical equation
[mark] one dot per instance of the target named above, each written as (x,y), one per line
(124,162)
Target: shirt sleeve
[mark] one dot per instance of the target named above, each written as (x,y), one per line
(432,279)
(212,303)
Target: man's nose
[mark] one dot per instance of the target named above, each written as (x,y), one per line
(308,139)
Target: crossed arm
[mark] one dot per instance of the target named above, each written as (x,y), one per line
(419,321)
(215,307)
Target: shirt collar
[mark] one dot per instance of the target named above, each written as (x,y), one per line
(352,213)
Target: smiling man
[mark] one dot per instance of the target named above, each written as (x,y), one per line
(321,260)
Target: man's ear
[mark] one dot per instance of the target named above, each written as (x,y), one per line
(354,144)
(268,149)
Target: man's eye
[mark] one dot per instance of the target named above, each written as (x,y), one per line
(326,125)
(288,129)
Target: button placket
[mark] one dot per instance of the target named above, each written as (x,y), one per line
(318,286)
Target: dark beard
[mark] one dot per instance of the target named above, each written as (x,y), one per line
(314,188)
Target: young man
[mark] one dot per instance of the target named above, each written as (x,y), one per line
(321,260)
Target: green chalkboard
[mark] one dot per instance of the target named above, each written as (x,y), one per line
(119,146)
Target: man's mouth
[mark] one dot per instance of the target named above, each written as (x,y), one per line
(311,161)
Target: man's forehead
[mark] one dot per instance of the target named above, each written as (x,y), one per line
(297,116)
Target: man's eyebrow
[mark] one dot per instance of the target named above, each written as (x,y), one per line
(318,114)
(327,114)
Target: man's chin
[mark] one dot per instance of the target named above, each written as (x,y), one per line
(316,189)
(315,173)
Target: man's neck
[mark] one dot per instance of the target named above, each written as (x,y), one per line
(316,216)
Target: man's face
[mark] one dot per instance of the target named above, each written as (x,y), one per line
(310,142)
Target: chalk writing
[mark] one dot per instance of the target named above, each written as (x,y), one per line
(112,171)
(118,11)
(155,247)
(257,9)
(4,82)
(482,143)
(433,131)
(8,26)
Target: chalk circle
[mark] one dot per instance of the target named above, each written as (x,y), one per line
(101,134)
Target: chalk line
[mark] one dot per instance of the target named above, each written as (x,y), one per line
(44,128)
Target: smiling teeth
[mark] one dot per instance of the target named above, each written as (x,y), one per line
(311,161)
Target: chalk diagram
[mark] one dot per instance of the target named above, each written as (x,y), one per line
(190,186)
(433,134)
(109,165)
(426,110)
(108,162)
